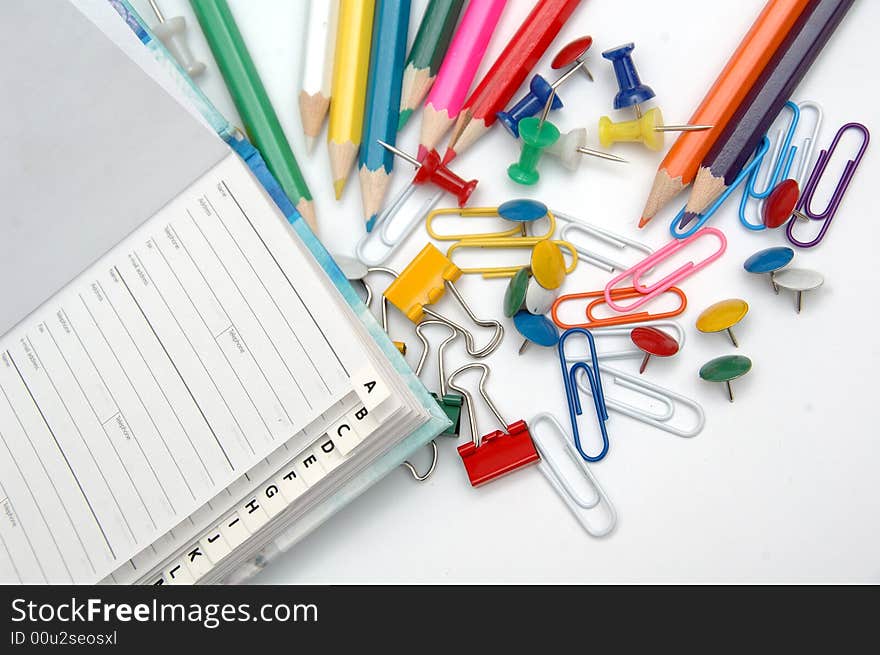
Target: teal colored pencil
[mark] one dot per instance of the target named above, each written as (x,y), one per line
(382,112)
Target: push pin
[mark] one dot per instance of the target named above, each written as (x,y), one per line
(539,300)
(432,170)
(652,341)
(647,129)
(769,261)
(522,211)
(490,456)
(566,148)
(548,264)
(632,92)
(780,205)
(535,329)
(722,316)
(515,294)
(799,280)
(540,91)
(726,369)
(172,33)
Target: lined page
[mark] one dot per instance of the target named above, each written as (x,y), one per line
(164,372)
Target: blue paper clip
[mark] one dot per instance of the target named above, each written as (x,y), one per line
(763,147)
(777,170)
(569,378)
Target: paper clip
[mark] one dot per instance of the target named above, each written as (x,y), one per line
(551,470)
(806,199)
(492,272)
(762,149)
(633,352)
(376,246)
(423,282)
(569,378)
(784,156)
(623,293)
(490,456)
(660,420)
(679,274)
(368,300)
(520,211)
(574,225)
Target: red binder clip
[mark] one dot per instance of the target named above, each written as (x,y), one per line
(497,453)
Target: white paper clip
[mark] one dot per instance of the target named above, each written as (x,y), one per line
(632,351)
(377,245)
(661,420)
(582,508)
(573,225)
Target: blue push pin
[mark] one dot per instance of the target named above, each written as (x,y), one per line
(536,329)
(632,92)
(522,211)
(769,261)
(540,89)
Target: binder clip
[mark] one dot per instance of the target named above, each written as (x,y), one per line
(521,211)
(806,200)
(623,293)
(583,508)
(650,262)
(574,226)
(400,345)
(497,453)
(544,263)
(450,403)
(569,377)
(423,282)
(779,166)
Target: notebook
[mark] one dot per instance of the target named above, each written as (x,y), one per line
(188,384)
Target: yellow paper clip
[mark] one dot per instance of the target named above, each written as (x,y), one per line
(520,211)
(423,282)
(490,272)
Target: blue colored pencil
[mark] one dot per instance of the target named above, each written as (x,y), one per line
(387,57)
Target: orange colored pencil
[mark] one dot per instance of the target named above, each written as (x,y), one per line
(679,167)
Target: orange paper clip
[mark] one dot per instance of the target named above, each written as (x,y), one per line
(617,294)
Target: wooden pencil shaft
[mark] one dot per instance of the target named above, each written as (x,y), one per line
(319,46)
(249,95)
(350,70)
(434,34)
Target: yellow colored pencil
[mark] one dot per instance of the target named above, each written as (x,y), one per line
(351,66)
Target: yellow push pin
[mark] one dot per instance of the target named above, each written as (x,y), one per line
(548,264)
(647,129)
(723,315)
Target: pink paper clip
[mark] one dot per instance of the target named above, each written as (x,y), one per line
(651,262)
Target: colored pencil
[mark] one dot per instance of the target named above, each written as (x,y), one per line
(457,71)
(508,72)
(383,102)
(317,67)
(427,53)
(679,166)
(350,69)
(774,87)
(252,102)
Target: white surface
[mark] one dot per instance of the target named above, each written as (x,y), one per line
(780,486)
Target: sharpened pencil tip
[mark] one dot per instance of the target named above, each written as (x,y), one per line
(310,144)
(449,156)
(643,221)
(338,188)
(371,221)
(404,117)
(422,153)
(686,220)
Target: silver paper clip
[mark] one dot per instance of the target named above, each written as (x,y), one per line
(377,245)
(582,508)
(575,225)
(660,420)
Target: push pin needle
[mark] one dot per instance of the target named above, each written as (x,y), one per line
(431,169)
(400,153)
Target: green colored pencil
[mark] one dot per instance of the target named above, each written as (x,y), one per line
(252,102)
(429,48)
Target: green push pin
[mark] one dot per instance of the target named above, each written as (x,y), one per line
(515,295)
(537,135)
(726,369)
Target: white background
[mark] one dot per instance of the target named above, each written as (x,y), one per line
(780,486)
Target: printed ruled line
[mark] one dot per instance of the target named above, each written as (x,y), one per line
(11,561)
(18,515)
(110,441)
(63,455)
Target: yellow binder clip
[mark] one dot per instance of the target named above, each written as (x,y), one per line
(520,211)
(490,272)
(423,282)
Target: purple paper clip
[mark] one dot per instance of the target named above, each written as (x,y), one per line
(650,262)
(830,210)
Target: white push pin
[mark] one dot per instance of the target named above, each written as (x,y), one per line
(566,148)
(798,280)
(172,33)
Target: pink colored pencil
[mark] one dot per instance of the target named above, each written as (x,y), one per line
(458,70)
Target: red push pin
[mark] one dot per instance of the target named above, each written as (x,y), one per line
(653,342)
(780,204)
(573,53)
(432,170)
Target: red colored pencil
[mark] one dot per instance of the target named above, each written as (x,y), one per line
(508,72)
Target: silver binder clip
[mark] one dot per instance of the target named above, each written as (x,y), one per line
(582,508)
(662,419)
(392,227)
(574,225)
